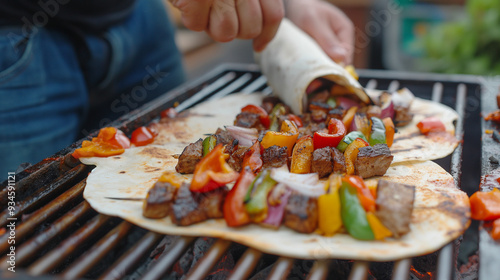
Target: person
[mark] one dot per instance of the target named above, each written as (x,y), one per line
(68,66)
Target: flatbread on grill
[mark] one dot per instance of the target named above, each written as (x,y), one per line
(441,211)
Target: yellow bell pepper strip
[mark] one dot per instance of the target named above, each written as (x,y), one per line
(336,132)
(377,134)
(172,178)
(212,171)
(389,131)
(286,138)
(350,69)
(302,155)
(329,218)
(364,194)
(351,153)
(379,230)
(349,138)
(208,144)
(349,116)
(234,210)
(109,142)
(256,197)
(278,110)
(353,214)
(253,159)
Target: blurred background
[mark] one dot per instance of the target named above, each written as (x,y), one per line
(445,36)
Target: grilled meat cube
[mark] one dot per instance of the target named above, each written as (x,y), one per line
(371,111)
(402,116)
(248,120)
(321,96)
(322,162)
(211,202)
(301,213)
(337,113)
(269,102)
(223,137)
(158,200)
(394,205)
(274,156)
(373,161)
(190,156)
(310,128)
(338,161)
(186,209)
(319,111)
(236,158)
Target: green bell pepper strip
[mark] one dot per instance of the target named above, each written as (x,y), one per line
(278,110)
(353,214)
(257,206)
(351,136)
(208,144)
(377,135)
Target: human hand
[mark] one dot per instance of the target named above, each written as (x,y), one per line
(225,20)
(326,24)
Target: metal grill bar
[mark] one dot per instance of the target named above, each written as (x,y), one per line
(231,88)
(68,247)
(98,251)
(31,247)
(131,257)
(166,261)
(281,268)
(401,269)
(245,264)
(209,260)
(255,85)
(359,270)
(319,271)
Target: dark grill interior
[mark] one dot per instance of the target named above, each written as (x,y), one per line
(57,233)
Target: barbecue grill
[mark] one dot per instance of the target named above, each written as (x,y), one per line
(58,234)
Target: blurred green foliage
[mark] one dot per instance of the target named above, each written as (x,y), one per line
(468,46)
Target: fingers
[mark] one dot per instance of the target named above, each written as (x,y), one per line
(344,30)
(223,21)
(249,18)
(194,13)
(272,14)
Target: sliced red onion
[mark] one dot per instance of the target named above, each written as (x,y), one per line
(346,103)
(245,136)
(275,213)
(306,184)
(386,105)
(360,123)
(402,98)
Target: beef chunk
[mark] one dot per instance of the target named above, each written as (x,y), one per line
(158,200)
(211,202)
(322,162)
(186,209)
(191,155)
(274,156)
(269,102)
(310,128)
(236,158)
(338,161)
(394,206)
(402,116)
(373,161)
(248,120)
(301,213)
(337,113)
(371,111)
(223,137)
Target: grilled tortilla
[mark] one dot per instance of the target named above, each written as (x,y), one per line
(119,183)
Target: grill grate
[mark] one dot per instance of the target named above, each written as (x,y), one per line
(59,234)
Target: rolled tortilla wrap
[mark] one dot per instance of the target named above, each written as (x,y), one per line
(292,60)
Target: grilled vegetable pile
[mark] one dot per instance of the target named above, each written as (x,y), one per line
(275,197)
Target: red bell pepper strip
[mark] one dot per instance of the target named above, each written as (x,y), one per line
(485,206)
(253,159)
(263,116)
(364,194)
(336,132)
(212,171)
(234,207)
(110,141)
(431,124)
(298,121)
(143,136)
